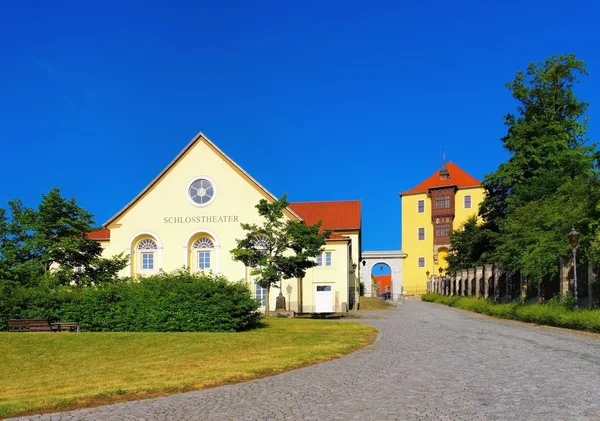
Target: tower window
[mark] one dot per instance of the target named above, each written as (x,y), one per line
(468,201)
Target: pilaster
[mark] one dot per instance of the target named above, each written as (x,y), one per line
(497,276)
(487,276)
(471,278)
(464,283)
(478,280)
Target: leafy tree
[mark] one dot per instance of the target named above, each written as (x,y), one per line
(549,183)
(469,244)
(54,236)
(535,234)
(280,248)
(546,138)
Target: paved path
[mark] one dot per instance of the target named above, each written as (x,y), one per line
(430,362)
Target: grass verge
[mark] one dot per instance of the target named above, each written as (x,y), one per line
(374,303)
(43,372)
(551,314)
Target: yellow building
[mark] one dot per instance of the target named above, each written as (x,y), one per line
(430,211)
(189,216)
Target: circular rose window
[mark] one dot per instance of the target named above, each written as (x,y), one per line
(201,191)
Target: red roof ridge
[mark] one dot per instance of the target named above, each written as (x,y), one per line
(457,177)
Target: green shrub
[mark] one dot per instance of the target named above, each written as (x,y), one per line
(557,312)
(174,302)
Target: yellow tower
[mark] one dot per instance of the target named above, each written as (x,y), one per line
(430,211)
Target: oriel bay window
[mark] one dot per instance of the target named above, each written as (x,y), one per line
(443,226)
(442,202)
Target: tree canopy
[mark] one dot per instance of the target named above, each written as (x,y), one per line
(279,248)
(546,138)
(51,241)
(548,184)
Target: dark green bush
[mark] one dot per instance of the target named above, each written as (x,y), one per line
(557,312)
(174,302)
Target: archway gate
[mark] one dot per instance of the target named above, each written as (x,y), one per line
(392,258)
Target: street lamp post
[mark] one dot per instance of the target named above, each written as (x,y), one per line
(356,286)
(430,285)
(574,242)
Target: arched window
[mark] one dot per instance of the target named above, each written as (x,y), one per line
(261,242)
(147,247)
(203,248)
(203,243)
(147,244)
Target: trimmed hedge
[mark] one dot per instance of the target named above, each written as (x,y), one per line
(174,302)
(554,313)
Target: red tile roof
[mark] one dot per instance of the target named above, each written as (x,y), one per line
(101,234)
(335,216)
(334,236)
(457,177)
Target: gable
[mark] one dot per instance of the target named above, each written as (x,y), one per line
(199,158)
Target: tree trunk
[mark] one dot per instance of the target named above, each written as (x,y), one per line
(267,301)
(591,278)
(299,295)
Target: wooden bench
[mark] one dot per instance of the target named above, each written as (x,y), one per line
(30,325)
(70,326)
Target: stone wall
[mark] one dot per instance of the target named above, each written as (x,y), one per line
(490,281)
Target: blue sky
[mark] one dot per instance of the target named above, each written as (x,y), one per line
(322,100)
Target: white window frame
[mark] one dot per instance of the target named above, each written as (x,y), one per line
(201,245)
(418,203)
(206,253)
(213,185)
(142,263)
(470,201)
(419,262)
(325,259)
(260,294)
(419,234)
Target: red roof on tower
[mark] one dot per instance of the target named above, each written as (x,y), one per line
(456,177)
(338,215)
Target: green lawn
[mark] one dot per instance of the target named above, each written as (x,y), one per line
(48,371)
(374,303)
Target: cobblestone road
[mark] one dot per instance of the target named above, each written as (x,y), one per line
(430,362)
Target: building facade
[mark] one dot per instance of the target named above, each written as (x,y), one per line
(430,211)
(189,217)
